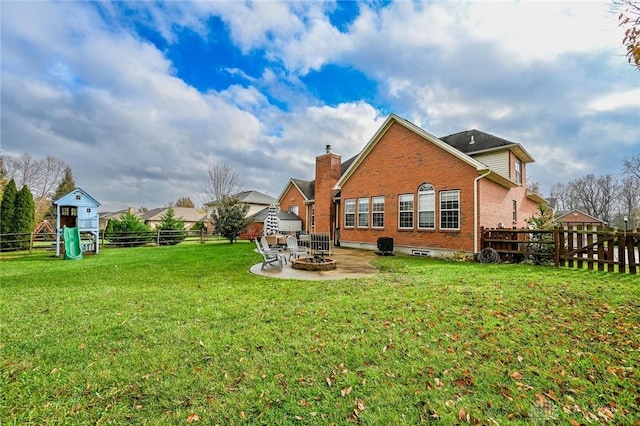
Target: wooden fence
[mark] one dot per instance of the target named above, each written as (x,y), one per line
(47,240)
(604,249)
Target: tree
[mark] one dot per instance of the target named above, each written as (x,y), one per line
(541,243)
(229,218)
(171,228)
(222,181)
(66,185)
(24,216)
(632,166)
(7,213)
(595,196)
(128,231)
(185,202)
(629,19)
(40,175)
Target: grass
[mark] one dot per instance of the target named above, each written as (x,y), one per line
(185,334)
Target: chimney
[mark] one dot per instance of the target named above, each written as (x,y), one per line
(132,210)
(328,171)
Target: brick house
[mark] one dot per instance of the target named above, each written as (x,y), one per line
(431,195)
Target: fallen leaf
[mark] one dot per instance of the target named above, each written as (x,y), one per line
(193,417)
(516,375)
(329,381)
(346,391)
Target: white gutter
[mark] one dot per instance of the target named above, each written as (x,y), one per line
(475,211)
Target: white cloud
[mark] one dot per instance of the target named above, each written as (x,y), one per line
(613,101)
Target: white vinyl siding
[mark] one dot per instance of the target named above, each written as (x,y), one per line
(496,161)
(363,212)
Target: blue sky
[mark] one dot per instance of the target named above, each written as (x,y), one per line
(141,98)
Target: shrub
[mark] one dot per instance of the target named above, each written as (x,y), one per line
(171,229)
(128,231)
(253,231)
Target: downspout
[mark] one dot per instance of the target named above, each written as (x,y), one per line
(476,211)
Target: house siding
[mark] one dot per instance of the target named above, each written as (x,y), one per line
(293,197)
(398,164)
(497,161)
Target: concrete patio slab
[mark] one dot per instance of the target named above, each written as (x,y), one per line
(351,263)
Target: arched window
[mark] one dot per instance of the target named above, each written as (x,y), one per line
(426,206)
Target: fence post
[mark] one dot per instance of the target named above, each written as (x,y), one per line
(556,246)
(31,242)
(622,253)
(481,238)
(158,238)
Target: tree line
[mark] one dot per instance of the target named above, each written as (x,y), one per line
(609,197)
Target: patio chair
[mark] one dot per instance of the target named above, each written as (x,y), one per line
(268,257)
(268,249)
(293,248)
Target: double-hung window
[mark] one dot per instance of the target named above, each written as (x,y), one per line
(377,212)
(405,211)
(518,170)
(363,212)
(349,213)
(426,207)
(450,209)
(514,211)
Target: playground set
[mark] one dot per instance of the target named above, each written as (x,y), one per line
(77,215)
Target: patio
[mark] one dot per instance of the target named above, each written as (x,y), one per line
(351,263)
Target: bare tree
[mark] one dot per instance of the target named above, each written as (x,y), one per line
(185,202)
(560,191)
(630,200)
(632,166)
(222,181)
(41,176)
(595,196)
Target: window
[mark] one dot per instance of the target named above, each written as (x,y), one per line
(363,212)
(377,212)
(313,214)
(514,212)
(518,168)
(426,206)
(293,209)
(405,211)
(450,210)
(88,210)
(349,213)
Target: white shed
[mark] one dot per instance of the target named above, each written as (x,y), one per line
(78,210)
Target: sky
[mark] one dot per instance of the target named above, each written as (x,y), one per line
(141,98)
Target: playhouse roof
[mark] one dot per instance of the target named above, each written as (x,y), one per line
(77,197)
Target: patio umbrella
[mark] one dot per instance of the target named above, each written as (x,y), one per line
(271,223)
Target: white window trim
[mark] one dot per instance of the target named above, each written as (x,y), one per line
(347,212)
(360,202)
(413,207)
(379,200)
(432,192)
(456,191)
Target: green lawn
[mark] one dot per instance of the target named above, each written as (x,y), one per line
(185,334)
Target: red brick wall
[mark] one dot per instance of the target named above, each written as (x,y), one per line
(328,170)
(399,163)
(496,205)
(293,197)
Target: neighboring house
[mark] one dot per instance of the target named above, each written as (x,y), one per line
(254,199)
(287,222)
(576,217)
(429,194)
(189,215)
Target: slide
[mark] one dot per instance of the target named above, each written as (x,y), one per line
(72,247)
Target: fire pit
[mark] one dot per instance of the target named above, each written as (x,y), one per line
(314,263)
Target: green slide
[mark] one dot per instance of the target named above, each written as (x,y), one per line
(72,247)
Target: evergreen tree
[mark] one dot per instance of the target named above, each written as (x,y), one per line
(25,216)
(171,228)
(7,213)
(542,243)
(128,231)
(66,185)
(230,218)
